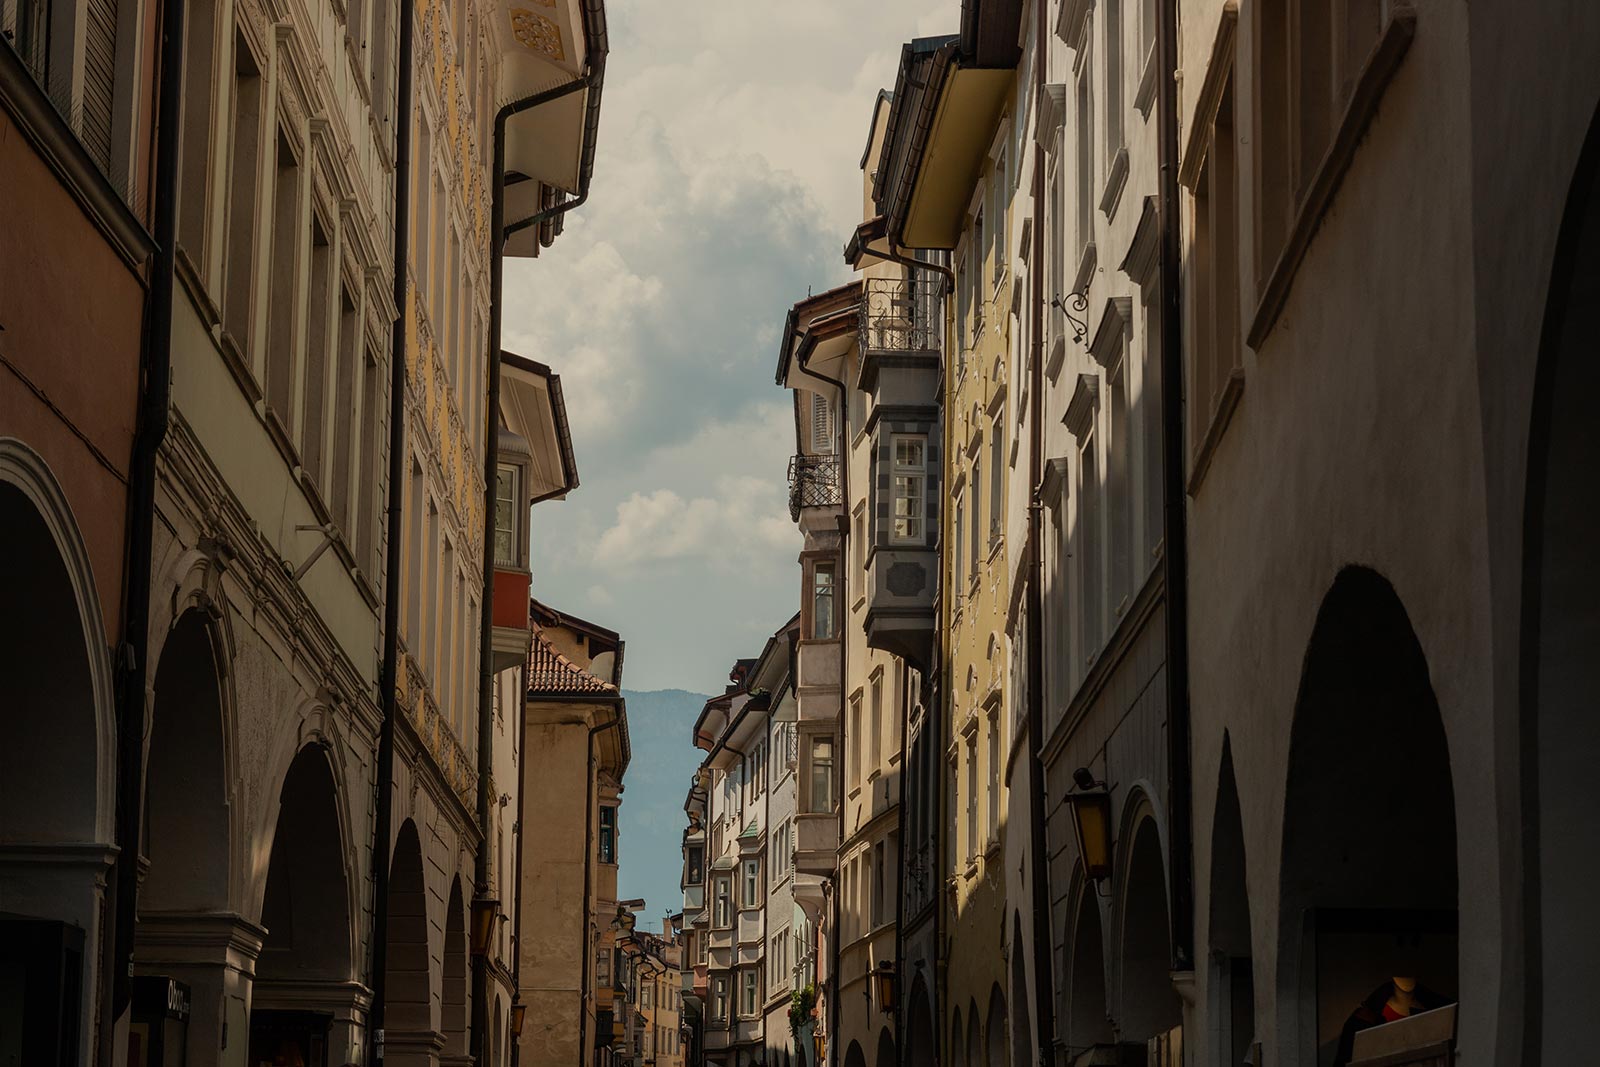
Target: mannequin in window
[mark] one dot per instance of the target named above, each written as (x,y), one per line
(1398,998)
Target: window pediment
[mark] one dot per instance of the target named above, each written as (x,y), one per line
(1083,405)
(1113,326)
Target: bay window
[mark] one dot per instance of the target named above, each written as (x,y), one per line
(505,517)
(822,616)
(821,774)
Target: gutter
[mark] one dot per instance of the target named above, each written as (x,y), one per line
(1043,979)
(388,687)
(154,419)
(595,42)
(1175,553)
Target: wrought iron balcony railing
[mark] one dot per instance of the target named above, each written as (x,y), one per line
(902,314)
(813,483)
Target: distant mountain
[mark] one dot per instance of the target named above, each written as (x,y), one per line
(664,761)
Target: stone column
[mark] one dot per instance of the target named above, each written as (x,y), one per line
(214,954)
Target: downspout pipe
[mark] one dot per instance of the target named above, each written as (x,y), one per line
(1175,554)
(521,832)
(154,418)
(388,681)
(595,44)
(900,876)
(1043,979)
(842,597)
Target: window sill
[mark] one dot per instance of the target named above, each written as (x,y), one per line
(971,870)
(991,851)
(1221,419)
(996,543)
(1376,74)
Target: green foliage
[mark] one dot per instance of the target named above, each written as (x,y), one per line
(801,1005)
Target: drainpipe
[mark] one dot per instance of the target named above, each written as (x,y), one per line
(516,912)
(1043,980)
(899,878)
(388,688)
(1180,859)
(842,597)
(596,46)
(154,419)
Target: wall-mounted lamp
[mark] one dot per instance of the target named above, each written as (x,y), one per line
(519,1015)
(484,910)
(883,985)
(1091,823)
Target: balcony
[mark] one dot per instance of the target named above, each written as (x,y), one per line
(902,315)
(813,483)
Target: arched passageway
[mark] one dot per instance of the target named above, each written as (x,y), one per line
(410,1036)
(187,926)
(456,971)
(919,1035)
(1147,1004)
(958,1044)
(886,1049)
(995,1030)
(1561,628)
(1021,1030)
(1367,889)
(1087,1023)
(55,768)
(303,988)
(1232,978)
(974,1036)
(854,1057)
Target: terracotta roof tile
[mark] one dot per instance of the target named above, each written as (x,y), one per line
(552,674)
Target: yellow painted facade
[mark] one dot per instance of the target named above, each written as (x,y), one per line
(978,420)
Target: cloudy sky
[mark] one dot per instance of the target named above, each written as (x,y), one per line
(725,187)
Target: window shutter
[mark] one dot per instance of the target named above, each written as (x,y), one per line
(99,79)
(821,428)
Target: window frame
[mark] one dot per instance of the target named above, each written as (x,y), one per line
(915,501)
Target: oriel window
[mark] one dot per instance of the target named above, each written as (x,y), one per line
(910,486)
(822,616)
(608,835)
(505,517)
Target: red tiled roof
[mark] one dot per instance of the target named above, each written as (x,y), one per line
(552,674)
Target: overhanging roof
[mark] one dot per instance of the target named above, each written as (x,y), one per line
(533,408)
(542,46)
(960,131)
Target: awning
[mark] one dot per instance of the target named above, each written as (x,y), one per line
(959,136)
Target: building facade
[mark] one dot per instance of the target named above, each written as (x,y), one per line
(576,719)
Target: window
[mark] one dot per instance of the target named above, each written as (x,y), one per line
(1119,488)
(505,516)
(875,726)
(973,554)
(822,618)
(877,912)
(958,556)
(371,456)
(1216,343)
(752,884)
(1085,132)
(721,906)
(647,997)
(1151,429)
(243,182)
(719,999)
(602,968)
(284,289)
(994,775)
(608,834)
(702,949)
(749,1001)
(1114,79)
(853,744)
(697,860)
(999,189)
(972,795)
(1088,539)
(997,473)
(979,250)
(319,345)
(821,774)
(910,482)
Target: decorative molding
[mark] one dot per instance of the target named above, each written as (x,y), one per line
(1219,72)
(1140,260)
(1144,97)
(1379,70)
(1053,486)
(1052,113)
(1114,322)
(1116,181)
(1086,265)
(1070,20)
(1084,403)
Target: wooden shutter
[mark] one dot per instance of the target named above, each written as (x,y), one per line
(99,79)
(821,425)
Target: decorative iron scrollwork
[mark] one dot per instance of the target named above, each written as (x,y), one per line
(1078,303)
(902,314)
